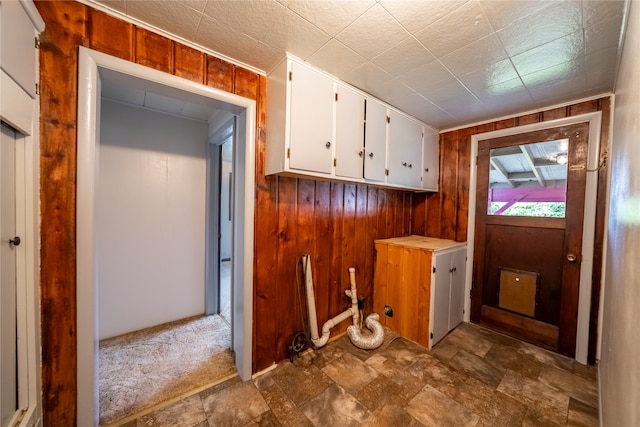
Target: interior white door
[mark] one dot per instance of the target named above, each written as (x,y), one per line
(8,323)
(311,133)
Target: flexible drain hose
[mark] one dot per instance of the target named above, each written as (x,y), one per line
(369,342)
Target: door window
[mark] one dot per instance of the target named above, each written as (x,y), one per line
(529,179)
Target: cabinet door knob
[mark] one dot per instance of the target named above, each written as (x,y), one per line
(571,258)
(371,155)
(15,241)
(404,164)
(410,165)
(360,153)
(426,170)
(328,144)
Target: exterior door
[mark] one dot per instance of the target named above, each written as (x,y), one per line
(528,242)
(8,322)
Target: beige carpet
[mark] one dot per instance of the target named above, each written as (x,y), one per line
(144,368)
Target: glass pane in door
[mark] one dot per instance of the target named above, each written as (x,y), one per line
(529,180)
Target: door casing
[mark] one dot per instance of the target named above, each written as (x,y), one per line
(554,324)
(594,119)
(90,62)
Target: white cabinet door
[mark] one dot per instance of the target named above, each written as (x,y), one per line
(430,160)
(457,273)
(375,141)
(349,132)
(311,120)
(440,296)
(17,46)
(404,151)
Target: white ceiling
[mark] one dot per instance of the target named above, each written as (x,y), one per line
(447,63)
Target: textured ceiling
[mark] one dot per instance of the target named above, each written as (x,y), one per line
(447,63)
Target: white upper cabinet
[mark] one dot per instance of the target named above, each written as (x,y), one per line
(404,151)
(20,25)
(311,139)
(320,127)
(430,160)
(18,42)
(375,142)
(349,132)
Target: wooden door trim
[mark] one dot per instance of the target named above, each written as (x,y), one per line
(595,120)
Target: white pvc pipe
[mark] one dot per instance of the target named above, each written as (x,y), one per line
(370,342)
(311,301)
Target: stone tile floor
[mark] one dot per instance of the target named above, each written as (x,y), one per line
(473,377)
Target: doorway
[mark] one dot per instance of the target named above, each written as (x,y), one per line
(94,67)
(528,235)
(220,219)
(592,164)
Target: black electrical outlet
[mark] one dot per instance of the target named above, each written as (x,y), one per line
(388,311)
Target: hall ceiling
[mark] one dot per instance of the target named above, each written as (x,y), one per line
(447,63)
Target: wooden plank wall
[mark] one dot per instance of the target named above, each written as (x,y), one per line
(334,222)
(446,212)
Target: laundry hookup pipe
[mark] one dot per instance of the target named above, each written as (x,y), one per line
(369,342)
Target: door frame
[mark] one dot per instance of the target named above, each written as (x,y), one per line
(214,215)
(584,300)
(89,95)
(23,114)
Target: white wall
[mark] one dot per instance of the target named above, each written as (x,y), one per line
(150,218)
(619,369)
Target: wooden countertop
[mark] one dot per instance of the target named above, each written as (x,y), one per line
(422,242)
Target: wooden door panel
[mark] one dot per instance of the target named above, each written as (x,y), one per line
(550,247)
(530,249)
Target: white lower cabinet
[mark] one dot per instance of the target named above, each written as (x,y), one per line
(420,281)
(447,308)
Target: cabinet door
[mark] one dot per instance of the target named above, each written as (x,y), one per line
(375,140)
(456,306)
(441,290)
(349,132)
(17,36)
(430,160)
(311,120)
(404,151)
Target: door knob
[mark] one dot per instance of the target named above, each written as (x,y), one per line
(328,144)
(371,155)
(571,257)
(15,241)
(360,153)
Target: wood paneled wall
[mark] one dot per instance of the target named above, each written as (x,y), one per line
(445,214)
(334,222)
